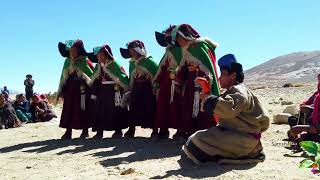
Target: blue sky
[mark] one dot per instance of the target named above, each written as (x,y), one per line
(255,31)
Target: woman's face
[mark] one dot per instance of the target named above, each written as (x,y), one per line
(21,98)
(102,58)
(134,54)
(73,51)
(35,99)
(182,42)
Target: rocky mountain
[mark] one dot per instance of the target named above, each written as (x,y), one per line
(299,67)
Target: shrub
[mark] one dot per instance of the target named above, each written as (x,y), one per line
(312,149)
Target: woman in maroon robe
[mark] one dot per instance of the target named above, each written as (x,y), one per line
(108,85)
(168,87)
(142,70)
(74,88)
(196,62)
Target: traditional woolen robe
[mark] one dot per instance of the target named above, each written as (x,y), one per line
(169,104)
(199,54)
(143,101)
(108,85)
(242,120)
(74,88)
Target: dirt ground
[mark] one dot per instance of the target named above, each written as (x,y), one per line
(34,151)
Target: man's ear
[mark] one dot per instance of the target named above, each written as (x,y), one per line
(234,76)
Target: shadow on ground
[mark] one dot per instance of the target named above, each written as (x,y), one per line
(188,169)
(141,148)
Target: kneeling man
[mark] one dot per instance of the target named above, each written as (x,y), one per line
(242,119)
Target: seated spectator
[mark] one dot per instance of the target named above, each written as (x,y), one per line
(21,106)
(8,117)
(6,96)
(40,110)
(45,99)
(309,129)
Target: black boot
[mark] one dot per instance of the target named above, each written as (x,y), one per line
(67,134)
(84,134)
(117,134)
(163,134)
(130,133)
(99,135)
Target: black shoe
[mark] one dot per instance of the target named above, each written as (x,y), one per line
(66,136)
(130,133)
(84,134)
(163,134)
(154,134)
(178,135)
(117,134)
(98,136)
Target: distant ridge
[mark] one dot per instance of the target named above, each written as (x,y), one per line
(298,67)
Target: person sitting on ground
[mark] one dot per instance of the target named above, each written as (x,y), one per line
(45,99)
(21,106)
(6,97)
(8,117)
(5,89)
(306,109)
(311,129)
(242,119)
(40,110)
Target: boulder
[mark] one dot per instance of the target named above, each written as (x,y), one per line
(281,118)
(286,103)
(292,109)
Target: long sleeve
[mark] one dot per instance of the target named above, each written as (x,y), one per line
(310,100)
(230,106)
(26,106)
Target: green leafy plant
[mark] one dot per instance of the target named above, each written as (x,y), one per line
(312,149)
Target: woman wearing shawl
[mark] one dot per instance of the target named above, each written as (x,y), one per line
(74,88)
(198,60)
(168,87)
(40,109)
(311,131)
(142,70)
(108,85)
(21,105)
(242,119)
(8,116)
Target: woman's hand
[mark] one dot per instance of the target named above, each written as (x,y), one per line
(204,84)
(313,130)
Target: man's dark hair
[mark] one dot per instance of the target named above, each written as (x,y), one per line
(237,68)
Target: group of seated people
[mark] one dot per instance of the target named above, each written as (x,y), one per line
(14,113)
(306,126)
